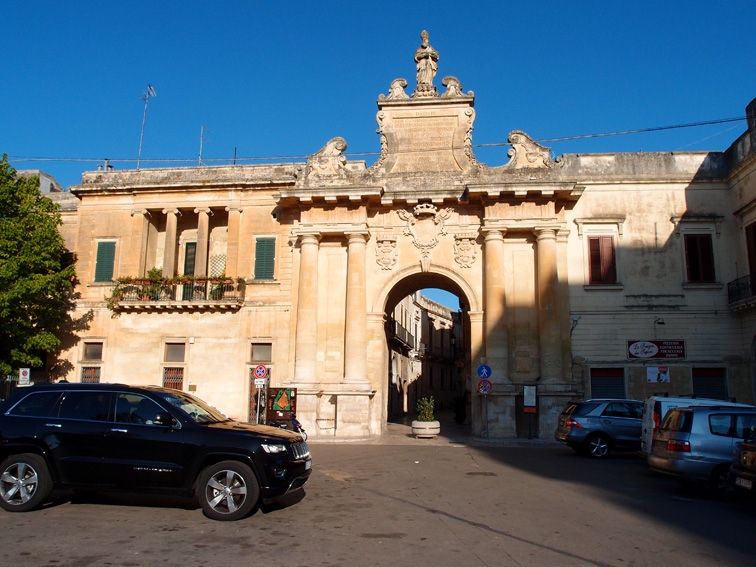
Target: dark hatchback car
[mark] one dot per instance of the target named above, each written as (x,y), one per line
(596,427)
(107,437)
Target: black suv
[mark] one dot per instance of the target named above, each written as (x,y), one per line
(146,439)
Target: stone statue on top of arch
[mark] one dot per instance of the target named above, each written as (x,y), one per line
(427,64)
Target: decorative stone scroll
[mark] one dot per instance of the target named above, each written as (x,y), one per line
(465,249)
(526,153)
(425,224)
(329,161)
(385,251)
(396,90)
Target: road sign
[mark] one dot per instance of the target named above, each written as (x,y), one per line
(259,383)
(260,371)
(484,387)
(24,377)
(484,371)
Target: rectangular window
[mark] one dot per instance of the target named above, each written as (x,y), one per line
(699,258)
(175,352)
(105,262)
(173,378)
(90,374)
(92,351)
(750,235)
(603,268)
(265,258)
(261,352)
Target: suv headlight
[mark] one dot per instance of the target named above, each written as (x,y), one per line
(274,448)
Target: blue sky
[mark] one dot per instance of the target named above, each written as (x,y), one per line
(277,80)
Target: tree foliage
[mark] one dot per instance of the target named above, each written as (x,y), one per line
(36,289)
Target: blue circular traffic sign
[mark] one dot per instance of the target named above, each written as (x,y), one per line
(484,371)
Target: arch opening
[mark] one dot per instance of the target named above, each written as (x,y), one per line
(428,346)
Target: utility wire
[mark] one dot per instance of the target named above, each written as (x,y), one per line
(358,154)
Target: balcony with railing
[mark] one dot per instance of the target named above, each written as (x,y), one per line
(196,294)
(741,293)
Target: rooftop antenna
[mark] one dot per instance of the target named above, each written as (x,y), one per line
(146,98)
(202,138)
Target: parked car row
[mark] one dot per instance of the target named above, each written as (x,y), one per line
(107,437)
(707,442)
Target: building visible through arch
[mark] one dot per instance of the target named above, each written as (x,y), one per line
(563,266)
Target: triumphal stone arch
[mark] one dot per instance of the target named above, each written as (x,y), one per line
(428,214)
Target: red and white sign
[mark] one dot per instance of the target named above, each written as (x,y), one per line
(260,371)
(484,387)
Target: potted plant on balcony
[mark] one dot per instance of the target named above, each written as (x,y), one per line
(426,426)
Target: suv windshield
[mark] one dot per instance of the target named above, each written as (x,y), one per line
(194,408)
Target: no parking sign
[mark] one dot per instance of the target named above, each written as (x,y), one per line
(484,387)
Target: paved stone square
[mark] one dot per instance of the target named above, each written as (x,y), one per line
(404,502)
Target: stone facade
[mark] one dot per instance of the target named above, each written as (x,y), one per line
(565,269)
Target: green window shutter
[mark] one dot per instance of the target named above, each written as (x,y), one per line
(265,258)
(105,261)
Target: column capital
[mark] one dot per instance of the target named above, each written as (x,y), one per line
(172,212)
(356,237)
(207,210)
(546,232)
(143,212)
(233,209)
(309,237)
(493,233)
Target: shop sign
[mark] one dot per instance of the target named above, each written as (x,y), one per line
(655,349)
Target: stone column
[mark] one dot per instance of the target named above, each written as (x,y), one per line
(355,335)
(548,308)
(169,253)
(495,304)
(203,239)
(232,246)
(141,230)
(306,347)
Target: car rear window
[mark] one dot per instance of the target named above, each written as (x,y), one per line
(677,420)
(582,408)
(37,404)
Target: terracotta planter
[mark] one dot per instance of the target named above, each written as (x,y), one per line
(426,429)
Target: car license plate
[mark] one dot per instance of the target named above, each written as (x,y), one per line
(744,483)
(308,464)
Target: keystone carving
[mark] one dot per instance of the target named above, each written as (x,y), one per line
(425,224)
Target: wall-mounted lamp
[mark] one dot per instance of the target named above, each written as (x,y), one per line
(658,321)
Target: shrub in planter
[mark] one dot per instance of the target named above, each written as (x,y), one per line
(426,425)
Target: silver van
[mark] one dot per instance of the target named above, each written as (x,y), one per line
(696,444)
(656,407)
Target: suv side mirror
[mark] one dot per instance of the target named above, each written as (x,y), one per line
(165,418)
